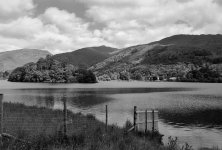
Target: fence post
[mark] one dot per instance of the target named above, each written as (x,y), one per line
(146,121)
(134,118)
(106,117)
(1,118)
(64,116)
(153,121)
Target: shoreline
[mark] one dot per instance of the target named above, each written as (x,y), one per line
(83,128)
(46,124)
(99,81)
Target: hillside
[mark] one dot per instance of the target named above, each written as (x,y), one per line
(10,60)
(170,57)
(86,56)
(195,49)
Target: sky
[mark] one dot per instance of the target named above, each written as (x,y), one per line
(66,25)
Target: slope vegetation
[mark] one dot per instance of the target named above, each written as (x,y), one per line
(195,49)
(86,56)
(171,57)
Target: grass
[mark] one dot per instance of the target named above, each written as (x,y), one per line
(41,129)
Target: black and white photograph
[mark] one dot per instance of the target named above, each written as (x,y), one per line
(110,74)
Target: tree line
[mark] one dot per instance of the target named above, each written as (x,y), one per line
(180,72)
(51,71)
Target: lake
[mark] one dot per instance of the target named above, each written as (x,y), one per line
(190,111)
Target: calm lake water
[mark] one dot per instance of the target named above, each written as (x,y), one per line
(190,111)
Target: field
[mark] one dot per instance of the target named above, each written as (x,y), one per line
(41,128)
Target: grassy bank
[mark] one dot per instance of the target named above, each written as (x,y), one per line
(41,128)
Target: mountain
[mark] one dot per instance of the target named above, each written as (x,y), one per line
(86,56)
(170,57)
(195,49)
(10,60)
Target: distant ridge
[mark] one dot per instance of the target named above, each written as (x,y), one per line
(86,56)
(170,50)
(192,40)
(186,48)
(10,60)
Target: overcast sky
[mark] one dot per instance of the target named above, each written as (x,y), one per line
(66,25)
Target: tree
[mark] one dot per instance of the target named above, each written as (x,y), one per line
(50,70)
(124,75)
(136,76)
(204,74)
(85,76)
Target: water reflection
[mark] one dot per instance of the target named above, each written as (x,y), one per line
(193,114)
(208,118)
(83,98)
(70,91)
(88,100)
(171,112)
(45,101)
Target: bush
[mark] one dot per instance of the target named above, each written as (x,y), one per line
(123,76)
(85,76)
(136,76)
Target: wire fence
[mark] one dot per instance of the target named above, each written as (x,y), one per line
(22,123)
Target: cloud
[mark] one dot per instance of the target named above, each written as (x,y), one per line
(72,6)
(21,28)
(183,1)
(70,32)
(219,2)
(55,30)
(130,22)
(117,23)
(11,9)
(66,22)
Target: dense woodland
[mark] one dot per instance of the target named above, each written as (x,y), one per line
(176,72)
(4,75)
(203,74)
(51,70)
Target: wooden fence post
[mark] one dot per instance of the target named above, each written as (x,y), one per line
(134,118)
(64,117)
(153,121)
(146,121)
(1,118)
(106,117)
